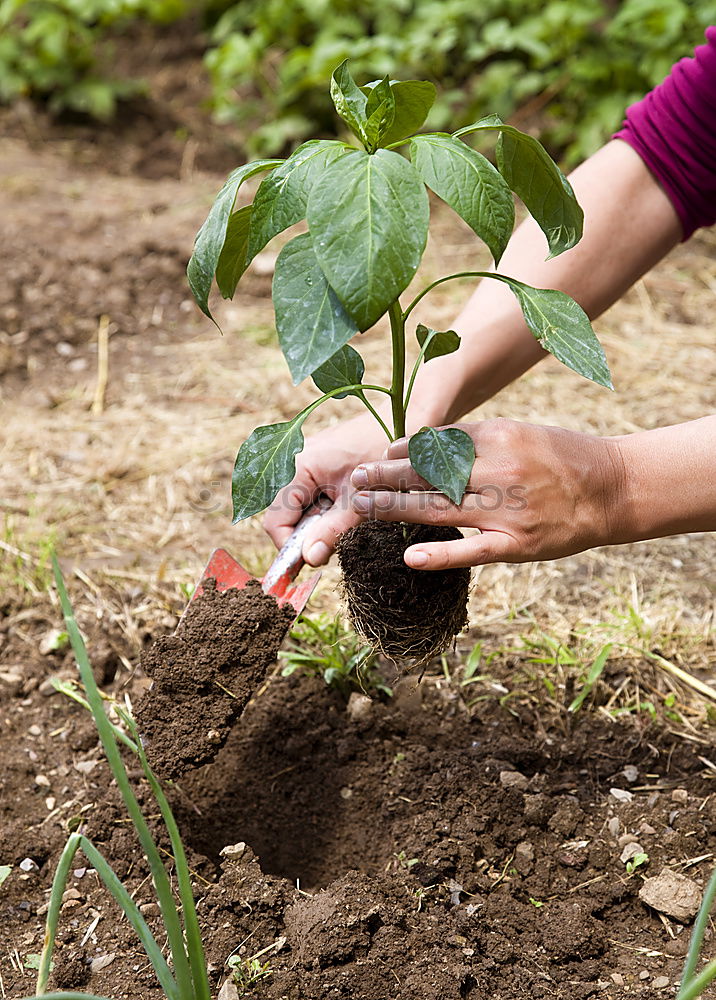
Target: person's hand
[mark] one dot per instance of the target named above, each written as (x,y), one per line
(534,493)
(324,467)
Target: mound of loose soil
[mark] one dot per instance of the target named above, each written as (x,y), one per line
(204,674)
(404,613)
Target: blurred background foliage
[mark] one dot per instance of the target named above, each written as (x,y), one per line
(565,67)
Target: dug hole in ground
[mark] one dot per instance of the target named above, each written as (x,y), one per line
(455,840)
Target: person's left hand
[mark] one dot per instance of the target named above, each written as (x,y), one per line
(534,493)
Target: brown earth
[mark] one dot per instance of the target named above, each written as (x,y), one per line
(462,839)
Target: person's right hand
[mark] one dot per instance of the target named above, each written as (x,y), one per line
(324,467)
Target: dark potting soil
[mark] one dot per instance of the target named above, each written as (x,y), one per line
(205,673)
(405,613)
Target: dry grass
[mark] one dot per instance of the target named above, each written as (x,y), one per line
(136,496)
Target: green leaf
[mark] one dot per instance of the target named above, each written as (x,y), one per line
(368,217)
(413,101)
(350,101)
(266,462)
(210,238)
(562,328)
(380,112)
(311,322)
(345,367)
(444,458)
(281,199)
(469,183)
(533,175)
(4,872)
(438,343)
(233,260)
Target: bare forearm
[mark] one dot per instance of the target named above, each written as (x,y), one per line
(629,225)
(669,481)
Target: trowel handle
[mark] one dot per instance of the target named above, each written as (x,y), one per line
(289,560)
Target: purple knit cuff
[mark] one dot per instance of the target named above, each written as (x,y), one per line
(673,129)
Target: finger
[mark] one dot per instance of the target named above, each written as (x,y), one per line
(287,509)
(320,541)
(490,547)
(397,449)
(391,475)
(419,508)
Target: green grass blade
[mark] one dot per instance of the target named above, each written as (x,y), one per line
(53,911)
(697,940)
(68,689)
(697,985)
(165,897)
(194,944)
(595,672)
(131,912)
(65,996)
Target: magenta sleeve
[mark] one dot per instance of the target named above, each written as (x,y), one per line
(673,129)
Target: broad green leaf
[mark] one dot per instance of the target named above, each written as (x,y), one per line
(439,342)
(413,101)
(266,462)
(380,112)
(368,216)
(233,260)
(281,199)
(311,322)
(533,175)
(210,238)
(350,101)
(445,458)
(469,183)
(562,328)
(5,871)
(345,367)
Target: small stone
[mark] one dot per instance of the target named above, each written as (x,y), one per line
(12,681)
(524,857)
(359,707)
(614,825)
(513,779)
(621,794)
(680,795)
(617,979)
(213,736)
(28,865)
(346,793)
(661,982)
(71,893)
(35,731)
(631,773)
(150,909)
(675,895)
(50,802)
(52,641)
(648,829)
(233,850)
(627,838)
(42,781)
(101,962)
(85,766)
(229,990)
(643,975)
(47,688)
(630,851)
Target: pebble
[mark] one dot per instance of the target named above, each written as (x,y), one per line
(42,781)
(617,979)
(513,779)
(631,773)
(101,962)
(680,795)
(12,681)
(346,793)
(229,990)
(627,838)
(28,865)
(359,706)
(660,983)
(621,794)
(233,850)
(35,731)
(643,975)
(614,826)
(675,895)
(51,642)
(150,909)
(647,828)
(213,736)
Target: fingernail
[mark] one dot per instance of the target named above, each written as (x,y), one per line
(359,479)
(318,554)
(360,503)
(417,558)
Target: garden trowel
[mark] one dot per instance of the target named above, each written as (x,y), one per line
(281,573)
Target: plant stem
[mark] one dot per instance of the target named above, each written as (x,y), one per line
(375,413)
(697,940)
(448,277)
(397,332)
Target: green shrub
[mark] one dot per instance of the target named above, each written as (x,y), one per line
(50,49)
(570,62)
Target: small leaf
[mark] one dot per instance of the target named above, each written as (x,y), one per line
(439,343)
(562,328)
(470,184)
(281,199)
(380,112)
(368,216)
(444,458)
(533,175)
(233,260)
(413,101)
(350,101)
(345,367)
(5,871)
(311,322)
(266,462)
(210,238)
